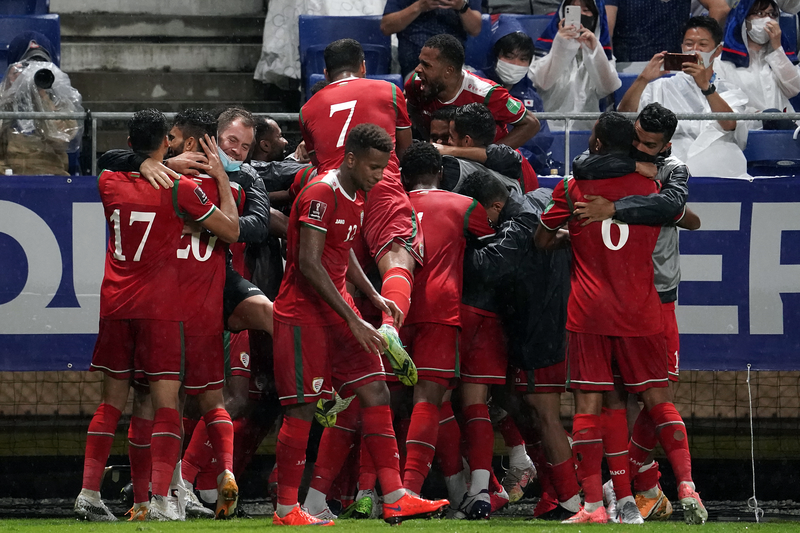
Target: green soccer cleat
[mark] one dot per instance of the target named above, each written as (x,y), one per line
(328,409)
(361,508)
(401,362)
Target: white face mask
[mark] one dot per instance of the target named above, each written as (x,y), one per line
(509,73)
(705,57)
(758,30)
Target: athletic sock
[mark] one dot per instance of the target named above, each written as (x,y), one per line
(366,474)
(672,436)
(376,425)
(420,445)
(220,432)
(615,443)
(139,434)
(646,480)
(565,481)
(290,454)
(480,444)
(643,440)
(99,439)
(198,454)
(334,449)
(165,447)
(448,443)
(510,432)
(397,285)
(587,449)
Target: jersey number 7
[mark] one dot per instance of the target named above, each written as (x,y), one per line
(344,106)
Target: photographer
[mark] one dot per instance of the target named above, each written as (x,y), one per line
(34,83)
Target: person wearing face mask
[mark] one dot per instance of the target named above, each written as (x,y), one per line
(756,60)
(708,147)
(511,55)
(574,68)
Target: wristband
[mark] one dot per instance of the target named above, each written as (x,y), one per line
(711,90)
(464,8)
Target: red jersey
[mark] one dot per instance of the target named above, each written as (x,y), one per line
(330,114)
(445,218)
(201,261)
(505,108)
(324,206)
(530,181)
(141,276)
(612,269)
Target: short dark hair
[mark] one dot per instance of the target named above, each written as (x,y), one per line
(342,55)
(445,113)
(227,117)
(264,127)
(419,160)
(655,118)
(451,51)
(147,130)
(706,22)
(476,121)
(615,132)
(761,5)
(483,187)
(514,44)
(366,136)
(196,122)
(317,87)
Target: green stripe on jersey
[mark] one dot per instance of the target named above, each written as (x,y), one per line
(468,214)
(298,364)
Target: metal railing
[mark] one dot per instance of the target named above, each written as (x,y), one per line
(293,117)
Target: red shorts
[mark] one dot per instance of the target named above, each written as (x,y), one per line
(594,359)
(434,350)
(310,361)
(204,368)
(551,378)
(673,339)
(389,217)
(484,358)
(154,347)
(237,354)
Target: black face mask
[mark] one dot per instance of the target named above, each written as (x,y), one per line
(589,22)
(638,155)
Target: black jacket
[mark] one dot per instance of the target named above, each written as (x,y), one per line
(500,158)
(531,287)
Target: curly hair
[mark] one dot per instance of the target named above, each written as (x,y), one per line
(614,131)
(655,118)
(196,122)
(147,130)
(451,51)
(476,121)
(366,136)
(420,160)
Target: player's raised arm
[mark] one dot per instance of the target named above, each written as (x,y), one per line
(356,276)
(223,222)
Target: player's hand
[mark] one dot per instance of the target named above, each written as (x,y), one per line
(301,154)
(568,32)
(444,149)
(387,306)
(587,37)
(653,70)
(646,169)
(189,163)
(774,31)
(596,210)
(367,336)
(157,174)
(216,169)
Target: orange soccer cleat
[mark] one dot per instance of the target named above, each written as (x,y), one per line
(599,516)
(299,517)
(411,506)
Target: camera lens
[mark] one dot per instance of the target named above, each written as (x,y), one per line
(44,78)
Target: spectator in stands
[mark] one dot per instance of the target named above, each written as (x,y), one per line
(640,29)
(512,53)
(34,83)
(415,21)
(570,81)
(755,61)
(708,147)
(522,7)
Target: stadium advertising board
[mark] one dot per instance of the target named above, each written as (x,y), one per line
(739,301)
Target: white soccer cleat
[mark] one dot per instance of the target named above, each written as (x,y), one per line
(92,508)
(161,510)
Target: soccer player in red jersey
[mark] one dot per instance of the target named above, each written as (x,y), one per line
(141,306)
(615,317)
(321,342)
(440,80)
(390,232)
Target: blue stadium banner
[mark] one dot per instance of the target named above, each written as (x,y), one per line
(739,301)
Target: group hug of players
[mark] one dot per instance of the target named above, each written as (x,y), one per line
(483,279)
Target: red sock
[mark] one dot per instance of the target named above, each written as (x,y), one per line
(401,426)
(564,479)
(648,479)
(99,439)
(448,445)
(587,449)
(494,483)
(207,477)
(643,440)
(290,454)
(334,449)
(366,475)
(420,445)
(480,437)
(672,436)
(615,443)
(165,447)
(139,434)
(198,453)
(376,424)
(220,433)
(397,285)
(511,435)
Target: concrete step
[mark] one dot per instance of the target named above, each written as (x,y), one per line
(80,56)
(161,7)
(100,106)
(127,26)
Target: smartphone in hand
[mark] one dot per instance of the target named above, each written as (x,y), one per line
(675,61)
(572,16)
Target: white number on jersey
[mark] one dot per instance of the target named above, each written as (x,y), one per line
(344,106)
(605,231)
(194,246)
(351,233)
(136,216)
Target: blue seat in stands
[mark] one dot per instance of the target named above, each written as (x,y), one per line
(397,79)
(627,80)
(772,153)
(578,143)
(24,7)
(11,26)
(534,25)
(788,24)
(476,49)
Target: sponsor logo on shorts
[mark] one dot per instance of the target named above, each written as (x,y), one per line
(316,384)
(244,357)
(201,195)
(316,209)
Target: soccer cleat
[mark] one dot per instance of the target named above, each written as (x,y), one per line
(610,498)
(476,506)
(499,500)
(516,480)
(362,507)
(629,514)
(658,508)
(299,517)
(194,508)
(557,514)
(398,357)
(138,512)
(599,516)
(328,409)
(92,509)
(325,514)
(160,510)
(411,506)
(694,512)
(228,495)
